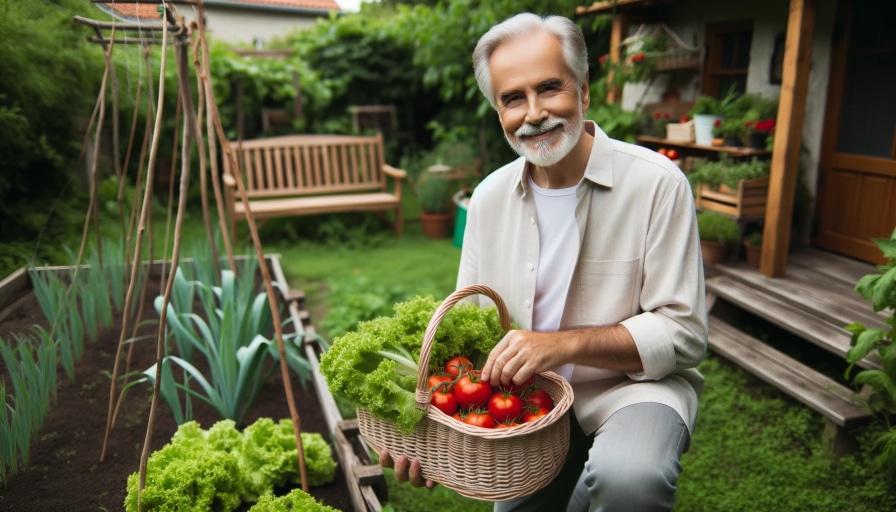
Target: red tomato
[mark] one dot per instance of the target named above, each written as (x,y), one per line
(458,365)
(505,406)
(439,381)
(507,425)
(672,154)
(683,119)
(540,398)
(472,391)
(444,401)
(480,419)
(532,413)
(522,387)
(662,151)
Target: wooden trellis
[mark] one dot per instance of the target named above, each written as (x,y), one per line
(185,37)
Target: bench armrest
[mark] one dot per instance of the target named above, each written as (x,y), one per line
(229,180)
(395,172)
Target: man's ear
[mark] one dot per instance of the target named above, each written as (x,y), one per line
(586,93)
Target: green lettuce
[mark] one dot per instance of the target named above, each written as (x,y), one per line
(375,366)
(292,502)
(267,458)
(219,468)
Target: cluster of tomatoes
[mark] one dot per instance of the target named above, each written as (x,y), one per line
(461,393)
(670,153)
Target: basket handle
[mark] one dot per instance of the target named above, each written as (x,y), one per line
(424,394)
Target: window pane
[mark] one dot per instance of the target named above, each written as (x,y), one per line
(742,57)
(868,113)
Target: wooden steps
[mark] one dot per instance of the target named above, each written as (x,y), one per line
(815,301)
(808,325)
(833,400)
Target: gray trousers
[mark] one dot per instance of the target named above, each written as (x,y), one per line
(631,463)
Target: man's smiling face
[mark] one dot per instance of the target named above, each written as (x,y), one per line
(539,104)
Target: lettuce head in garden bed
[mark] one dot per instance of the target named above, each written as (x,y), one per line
(375,366)
(220,468)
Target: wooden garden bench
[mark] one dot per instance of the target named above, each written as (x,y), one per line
(312,174)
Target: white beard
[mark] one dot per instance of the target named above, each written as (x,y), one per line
(549,151)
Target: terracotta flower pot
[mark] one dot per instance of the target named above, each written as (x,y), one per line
(752,254)
(436,225)
(713,252)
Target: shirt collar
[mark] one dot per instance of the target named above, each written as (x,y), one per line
(599,169)
(600,163)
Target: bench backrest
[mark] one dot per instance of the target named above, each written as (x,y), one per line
(310,164)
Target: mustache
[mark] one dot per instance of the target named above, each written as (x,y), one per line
(531,130)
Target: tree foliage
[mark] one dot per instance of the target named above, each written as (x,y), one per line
(47,88)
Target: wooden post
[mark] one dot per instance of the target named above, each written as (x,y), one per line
(788,137)
(617,34)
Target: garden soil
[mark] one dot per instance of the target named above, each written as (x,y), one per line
(64,472)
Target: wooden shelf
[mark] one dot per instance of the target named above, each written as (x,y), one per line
(647,140)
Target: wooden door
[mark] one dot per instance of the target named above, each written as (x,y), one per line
(857,186)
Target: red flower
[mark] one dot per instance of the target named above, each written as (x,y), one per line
(749,124)
(638,57)
(666,115)
(602,58)
(717,123)
(656,115)
(765,126)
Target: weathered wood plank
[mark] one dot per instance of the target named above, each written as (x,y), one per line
(835,268)
(363,496)
(822,394)
(833,338)
(804,289)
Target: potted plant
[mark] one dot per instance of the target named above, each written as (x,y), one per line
(717,233)
(706,111)
(753,248)
(434,192)
(731,130)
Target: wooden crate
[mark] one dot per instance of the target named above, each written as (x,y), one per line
(748,201)
(681,132)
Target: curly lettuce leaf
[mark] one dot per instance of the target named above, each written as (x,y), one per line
(370,365)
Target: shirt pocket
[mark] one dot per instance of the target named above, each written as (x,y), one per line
(608,290)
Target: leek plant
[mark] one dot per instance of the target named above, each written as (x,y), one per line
(31,365)
(232,336)
(66,324)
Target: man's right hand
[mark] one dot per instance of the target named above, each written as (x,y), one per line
(406,470)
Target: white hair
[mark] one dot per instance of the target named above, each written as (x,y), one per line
(572,42)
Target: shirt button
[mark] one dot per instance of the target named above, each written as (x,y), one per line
(527,304)
(532,220)
(531,266)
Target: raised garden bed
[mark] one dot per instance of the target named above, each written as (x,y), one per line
(64,471)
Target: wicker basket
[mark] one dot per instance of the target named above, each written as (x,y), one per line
(479,463)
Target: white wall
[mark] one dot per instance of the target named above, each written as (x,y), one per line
(242,25)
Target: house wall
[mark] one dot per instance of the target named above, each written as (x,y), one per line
(688,20)
(241,25)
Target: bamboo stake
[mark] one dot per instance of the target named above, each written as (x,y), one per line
(145,210)
(127,160)
(263,267)
(192,123)
(204,73)
(144,454)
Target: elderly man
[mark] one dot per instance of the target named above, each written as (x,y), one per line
(593,245)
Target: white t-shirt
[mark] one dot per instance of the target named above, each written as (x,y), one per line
(559,247)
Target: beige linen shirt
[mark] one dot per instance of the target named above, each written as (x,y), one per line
(639,265)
